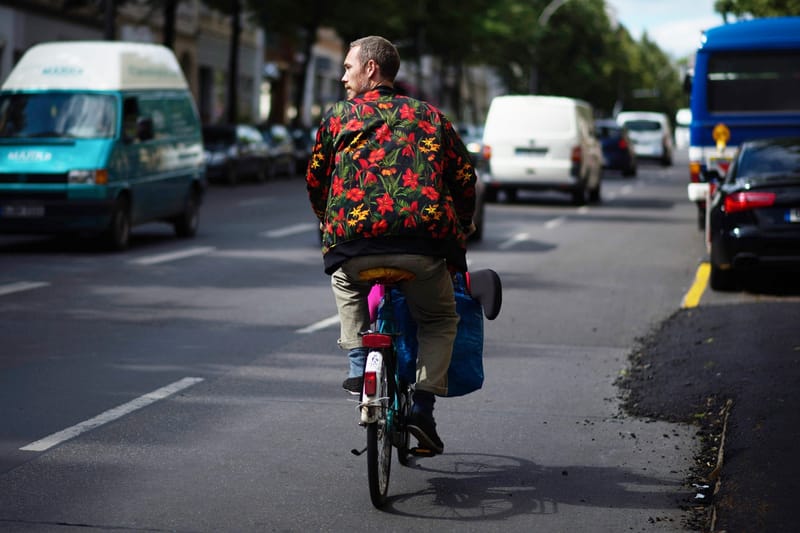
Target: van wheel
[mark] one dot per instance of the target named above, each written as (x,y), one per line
(118,233)
(579,194)
(187,222)
(594,195)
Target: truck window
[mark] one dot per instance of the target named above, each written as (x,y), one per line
(754,81)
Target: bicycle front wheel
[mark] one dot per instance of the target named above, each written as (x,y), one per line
(379,447)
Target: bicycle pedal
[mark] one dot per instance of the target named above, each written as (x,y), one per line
(422,452)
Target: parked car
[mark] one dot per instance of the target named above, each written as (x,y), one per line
(755,212)
(472,136)
(542,143)
(235,151)
(651,134)
(618,153)
(281,150)
(304,139)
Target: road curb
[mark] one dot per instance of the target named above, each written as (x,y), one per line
(716,474)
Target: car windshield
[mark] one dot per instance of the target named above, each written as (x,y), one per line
(769,162)
(643,125)
(65,115)
(605,131)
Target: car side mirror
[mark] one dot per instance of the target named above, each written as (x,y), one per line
(712,175)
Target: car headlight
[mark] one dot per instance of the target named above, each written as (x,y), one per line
(88,177)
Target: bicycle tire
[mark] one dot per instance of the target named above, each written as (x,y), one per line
(402,435)
(379,446)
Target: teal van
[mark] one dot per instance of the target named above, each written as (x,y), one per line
(96,137)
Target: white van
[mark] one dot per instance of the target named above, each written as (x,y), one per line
(96,137)
(539,143)
(650,133)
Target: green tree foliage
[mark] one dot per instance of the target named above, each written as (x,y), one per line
(576,53)
(757,8)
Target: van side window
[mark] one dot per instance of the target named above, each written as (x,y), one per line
(130,114)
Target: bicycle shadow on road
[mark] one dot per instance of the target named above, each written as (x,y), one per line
(486,487)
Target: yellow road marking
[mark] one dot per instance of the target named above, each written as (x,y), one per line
(692,298)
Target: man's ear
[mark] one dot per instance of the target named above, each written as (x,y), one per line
(372,68)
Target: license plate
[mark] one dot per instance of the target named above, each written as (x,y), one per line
(793,215)
(21,211)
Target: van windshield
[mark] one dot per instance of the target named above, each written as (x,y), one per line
(57,115)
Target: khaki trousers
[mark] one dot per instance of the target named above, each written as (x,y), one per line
(430,300)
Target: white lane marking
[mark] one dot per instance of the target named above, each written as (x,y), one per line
(322,324)
(110,415)
(21,286)
(289,230)
(519,237)
(582,210)
(554,223)
(172,256)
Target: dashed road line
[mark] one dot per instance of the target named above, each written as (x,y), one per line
(20,286)
(322,324)
(110,415)
(289,230)
(173,256)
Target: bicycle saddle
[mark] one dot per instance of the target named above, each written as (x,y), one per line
(485,287)
(386,275)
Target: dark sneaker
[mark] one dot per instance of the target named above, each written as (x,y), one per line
(423,427)
(353,385)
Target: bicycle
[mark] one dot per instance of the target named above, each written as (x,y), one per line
(385,403)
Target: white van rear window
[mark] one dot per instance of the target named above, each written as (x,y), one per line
(534,117)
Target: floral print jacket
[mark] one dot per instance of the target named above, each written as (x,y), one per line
(389,174)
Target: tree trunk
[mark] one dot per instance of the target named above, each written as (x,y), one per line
(110,26)
(233,62)
(170,7)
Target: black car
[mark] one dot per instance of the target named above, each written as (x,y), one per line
(281,150)
(755,212)
(233,152)
(618,153)
(304,139)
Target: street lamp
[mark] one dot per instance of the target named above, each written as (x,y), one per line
(544,18)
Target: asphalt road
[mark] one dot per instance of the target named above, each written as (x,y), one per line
(194,385)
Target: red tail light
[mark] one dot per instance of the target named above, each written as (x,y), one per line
(576,154)
(623,144)
(694,171)
(486,152)
(370,383)
(742,201)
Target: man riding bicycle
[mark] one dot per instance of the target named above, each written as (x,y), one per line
(393,186)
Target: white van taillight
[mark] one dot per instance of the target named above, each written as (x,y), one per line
(486,152)
(576,154)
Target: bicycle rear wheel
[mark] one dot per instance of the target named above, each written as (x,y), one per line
(401,434)
(379,446)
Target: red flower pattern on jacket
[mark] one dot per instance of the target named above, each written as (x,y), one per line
(389,165)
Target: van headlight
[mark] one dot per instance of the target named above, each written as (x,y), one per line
(88,177)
